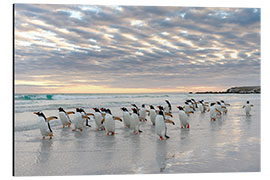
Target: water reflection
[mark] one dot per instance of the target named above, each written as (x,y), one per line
(44,152)
(161,154)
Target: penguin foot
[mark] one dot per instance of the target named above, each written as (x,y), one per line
(43,137)
(73,129)
(113,133)
(182,127)
(161,138)
(69,124)
(188,126)
(136,133)
(64,126)
(107,134)
(81,129)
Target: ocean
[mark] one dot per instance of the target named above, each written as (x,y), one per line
(231,144)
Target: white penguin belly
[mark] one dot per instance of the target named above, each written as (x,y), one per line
(152,116)
(98,119)
(43,126)
(109,123)
(183,118)
(126,117)
(134,123)
(64,119)
(160,126)
(78,121)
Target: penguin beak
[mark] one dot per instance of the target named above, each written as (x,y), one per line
(36,113)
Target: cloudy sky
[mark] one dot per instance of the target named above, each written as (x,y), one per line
(117,49)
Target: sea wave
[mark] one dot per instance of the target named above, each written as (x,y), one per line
(77,96)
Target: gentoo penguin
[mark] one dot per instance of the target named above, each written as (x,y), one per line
(188,108)
(218,108)
(224,107)
(64,117)
(201,107)
(109,122)
(153,114)
(98,119)
(167,115)
(213,112)
(183,117)
(142,113)
(79,119)
(160,125)
(86,119)
(134,121)
(126,117)
(247,108)
(168,107)
(194,103)
(44,125)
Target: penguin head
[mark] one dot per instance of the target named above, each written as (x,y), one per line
(218,103)
(186,102)
(151,107)
(180,108)
(96,109)
(102,109)
(161,113)
(143,105)
(160,108)
(40,114)
(108,111)
(60,109)
(247,102)
(212,104)
(222,101)
(123,109)
(78,110)
(134,110)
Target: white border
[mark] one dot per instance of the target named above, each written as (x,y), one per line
(6,83)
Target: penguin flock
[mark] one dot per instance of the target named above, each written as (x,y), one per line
(159,117)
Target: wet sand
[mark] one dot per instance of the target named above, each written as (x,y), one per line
(231,144)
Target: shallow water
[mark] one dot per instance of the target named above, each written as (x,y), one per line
(231,144)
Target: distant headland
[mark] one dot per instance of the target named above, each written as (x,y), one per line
(237,90)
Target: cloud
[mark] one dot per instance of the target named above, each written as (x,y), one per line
(144,47)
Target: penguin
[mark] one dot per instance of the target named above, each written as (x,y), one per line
(86,119)
(64,117)
(218,109)
(44,125)
(247,108)
(153,114)
(194,103)
(98,119)
(201,107)
(126,117)
(142,113)
(188,108)
(168,107)
(109,122)
(79,118)
(183,118)
(160,125)
(224,107)
(134,121)
(213,112)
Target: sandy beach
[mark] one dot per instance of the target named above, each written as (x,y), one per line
(231,144)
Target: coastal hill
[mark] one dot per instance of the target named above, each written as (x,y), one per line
(238,90)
